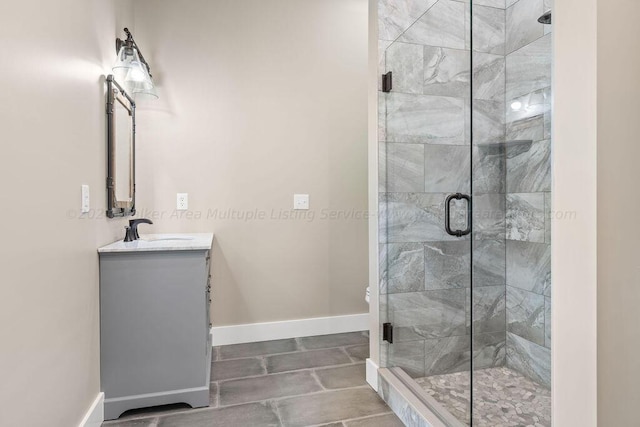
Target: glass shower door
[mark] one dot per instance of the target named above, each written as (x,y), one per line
(511,185)
(425,205)
(465,182)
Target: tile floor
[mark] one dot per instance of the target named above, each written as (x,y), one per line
(310,381)
(502,398)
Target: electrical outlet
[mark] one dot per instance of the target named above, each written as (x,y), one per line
(182,201)
(301,201)
(86,201)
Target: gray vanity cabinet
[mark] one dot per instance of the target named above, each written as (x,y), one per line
(154,324)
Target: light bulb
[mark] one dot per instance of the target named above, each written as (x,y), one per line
(136,73)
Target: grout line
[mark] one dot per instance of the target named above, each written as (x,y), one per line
(293,396)
(368,416)
(346,354)
(353,360)
(482,5)
(276,408)
(339,422)
(287,352)
(464,98)
(263,363)
(523,46)
(314,367)
(414,22)
(217,394)
(289,372)
(314,374)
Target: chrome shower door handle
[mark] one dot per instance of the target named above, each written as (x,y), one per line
(447,214)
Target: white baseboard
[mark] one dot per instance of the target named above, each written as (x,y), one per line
(255,332)
(95,415)
(372,374)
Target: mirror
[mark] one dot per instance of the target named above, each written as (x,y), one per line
(121,144)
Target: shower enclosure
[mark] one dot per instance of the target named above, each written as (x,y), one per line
(464,215)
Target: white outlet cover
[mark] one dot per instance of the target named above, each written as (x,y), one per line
(182,201)
(86,199)
(301,201)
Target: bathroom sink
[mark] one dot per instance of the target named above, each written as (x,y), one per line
(166,238)
(162,242)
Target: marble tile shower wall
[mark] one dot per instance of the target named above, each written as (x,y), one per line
(424,153)
(528,186)
(424,135)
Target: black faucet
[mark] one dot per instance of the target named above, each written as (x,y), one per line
(131,233)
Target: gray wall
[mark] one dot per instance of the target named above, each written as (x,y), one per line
(55,57)
(528,187)
(258,101)
(618,206)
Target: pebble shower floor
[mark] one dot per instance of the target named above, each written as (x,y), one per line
(502,398)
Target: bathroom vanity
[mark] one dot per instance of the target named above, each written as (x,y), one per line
(155,346)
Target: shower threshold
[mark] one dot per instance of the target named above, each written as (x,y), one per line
(502,397)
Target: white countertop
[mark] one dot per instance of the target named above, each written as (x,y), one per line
(162,242)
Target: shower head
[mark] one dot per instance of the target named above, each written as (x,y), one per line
(545,19)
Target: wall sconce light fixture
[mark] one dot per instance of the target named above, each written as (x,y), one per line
(132,70)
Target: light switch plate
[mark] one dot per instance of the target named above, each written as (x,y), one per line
(182,202)
(301,201)
(86,200)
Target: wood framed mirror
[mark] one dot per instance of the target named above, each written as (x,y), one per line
(121,147)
